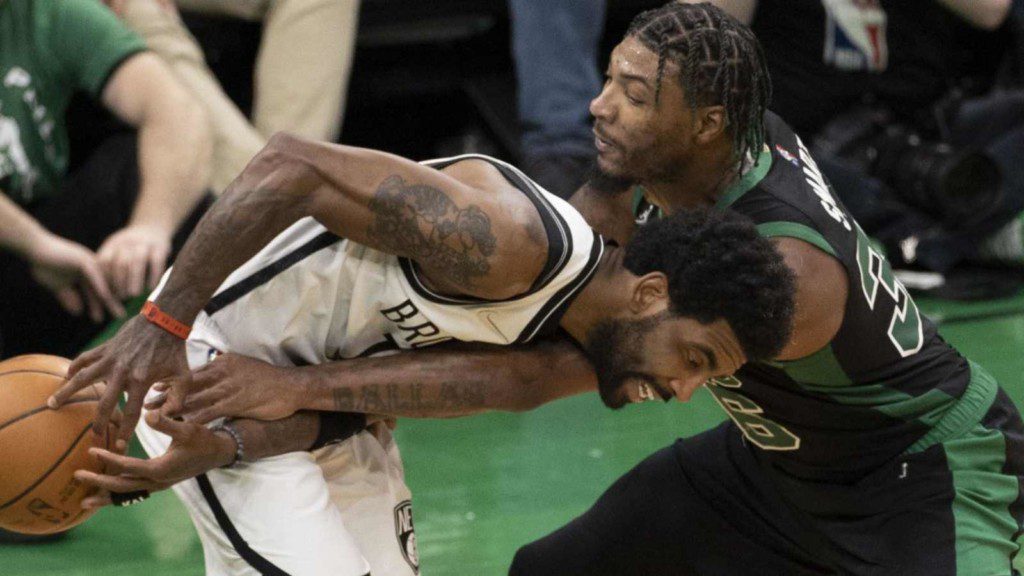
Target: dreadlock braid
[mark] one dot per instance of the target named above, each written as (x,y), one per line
(720,63)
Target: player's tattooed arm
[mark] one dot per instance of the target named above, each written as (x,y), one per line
(423,223)
(440,382)
(469,230)
(450,381)
(463,227)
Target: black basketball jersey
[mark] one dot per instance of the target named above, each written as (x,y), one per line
(884,382)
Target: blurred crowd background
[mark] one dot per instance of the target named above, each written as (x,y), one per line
(121,121)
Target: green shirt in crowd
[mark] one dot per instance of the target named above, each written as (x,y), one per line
(49,49)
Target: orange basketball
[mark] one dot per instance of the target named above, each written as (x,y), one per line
(40,448)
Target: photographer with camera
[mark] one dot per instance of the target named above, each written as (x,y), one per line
(913,114)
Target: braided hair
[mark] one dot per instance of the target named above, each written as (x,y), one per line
(720,63)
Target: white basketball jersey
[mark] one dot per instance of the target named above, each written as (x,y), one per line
(310,296)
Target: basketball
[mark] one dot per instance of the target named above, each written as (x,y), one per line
(40,448)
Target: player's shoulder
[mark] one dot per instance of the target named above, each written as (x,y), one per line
(793,186)
(477,171)
(491,174)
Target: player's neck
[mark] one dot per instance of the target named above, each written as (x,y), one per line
(700,182)
(602,297)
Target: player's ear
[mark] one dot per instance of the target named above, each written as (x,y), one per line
(711,124)
(650,292)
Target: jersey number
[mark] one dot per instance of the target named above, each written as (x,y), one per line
(905,330)
(764,433)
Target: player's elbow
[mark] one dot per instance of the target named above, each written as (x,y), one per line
(280,156)
(284,142)
(279,169)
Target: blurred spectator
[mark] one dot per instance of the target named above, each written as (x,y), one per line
(301,77)
(898,100)
(554,45)
(127,199)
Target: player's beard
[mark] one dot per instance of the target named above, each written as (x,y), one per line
(614,349)
(607,183)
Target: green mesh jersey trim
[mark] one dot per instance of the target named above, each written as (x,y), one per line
(748,181)
(799,231)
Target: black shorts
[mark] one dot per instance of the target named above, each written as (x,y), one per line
(710,505)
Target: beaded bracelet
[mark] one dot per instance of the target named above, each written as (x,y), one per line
(226,426)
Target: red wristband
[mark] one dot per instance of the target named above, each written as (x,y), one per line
(154,314)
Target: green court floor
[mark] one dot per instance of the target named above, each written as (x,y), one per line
(483,486)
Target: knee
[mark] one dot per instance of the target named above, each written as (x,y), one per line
(550,556)
(525,561)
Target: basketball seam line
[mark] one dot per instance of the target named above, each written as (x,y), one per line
(41,408)
(48,472)
(61,376)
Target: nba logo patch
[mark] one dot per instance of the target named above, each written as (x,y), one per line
(406,534)
(855,37)
(212,354)
(787,155)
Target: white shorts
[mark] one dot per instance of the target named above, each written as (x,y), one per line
(343,510)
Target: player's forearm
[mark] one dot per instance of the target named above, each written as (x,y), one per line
(174,149)
(984,14)
(19,231)
(262,439)
(267,197)
(449,382)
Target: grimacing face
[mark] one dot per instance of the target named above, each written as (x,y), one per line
(660,356)
(637,136)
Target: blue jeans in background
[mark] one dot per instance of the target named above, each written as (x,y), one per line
(554,45)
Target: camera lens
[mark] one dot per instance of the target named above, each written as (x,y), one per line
(960,188)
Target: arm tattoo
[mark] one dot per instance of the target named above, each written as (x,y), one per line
(423,223)
(413,398)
